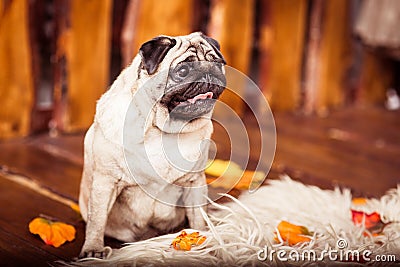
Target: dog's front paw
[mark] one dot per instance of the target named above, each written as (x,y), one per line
(198,224)
(100,253)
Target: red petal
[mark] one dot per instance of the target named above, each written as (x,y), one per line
(368,220)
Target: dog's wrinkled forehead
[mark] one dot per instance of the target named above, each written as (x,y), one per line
(193,47)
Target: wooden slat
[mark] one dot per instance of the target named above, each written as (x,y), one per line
(375,78)
(87,47)
(19,205)
(162,17)
(16,84)
(50,171)
(312,67)
(334,55)
(69,147)
(232,23)
(15,251)
(281,49)
(342,149)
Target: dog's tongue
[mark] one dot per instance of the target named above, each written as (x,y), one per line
(200,96)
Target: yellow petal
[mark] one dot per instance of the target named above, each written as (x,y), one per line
(185,241)
(359,201)
(220,167)
(75,207)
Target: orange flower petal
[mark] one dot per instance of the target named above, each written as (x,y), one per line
(285,226)
(359,201)
(52,233)
(293,234)
(185,241)
(62,232)
(41,227)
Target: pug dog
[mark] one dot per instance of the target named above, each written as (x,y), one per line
(145,152)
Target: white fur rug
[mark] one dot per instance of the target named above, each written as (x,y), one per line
(239,230)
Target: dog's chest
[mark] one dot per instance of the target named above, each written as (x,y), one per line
(174,155)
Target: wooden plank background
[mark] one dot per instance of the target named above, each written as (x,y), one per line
(334,55)
(301,51)
(232,24)
(171,18)
(375,78)
(16,83)
(281,49)
(88,57)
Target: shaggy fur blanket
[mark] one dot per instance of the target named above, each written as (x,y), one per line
(241,232)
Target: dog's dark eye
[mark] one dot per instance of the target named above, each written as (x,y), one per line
(183,71)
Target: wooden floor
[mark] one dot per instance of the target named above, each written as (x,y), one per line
(356,148)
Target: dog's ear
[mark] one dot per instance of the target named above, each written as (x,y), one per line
(154,51)
(215,45)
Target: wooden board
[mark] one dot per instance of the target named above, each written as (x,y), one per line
(344,149)
(375,78)
(335,57)
(281,50)
(87,47)
(15,251)
(162,18)
(231,24)
(18,207)
(16,83)
(52,171)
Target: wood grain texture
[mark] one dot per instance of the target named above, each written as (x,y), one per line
(15,251)
(57,173)
(16,83)
(162,18)
(20,205)
(375,78)
(335,57)
(312,67)
(355,148)
(282,47)
(232,23)
(88,57)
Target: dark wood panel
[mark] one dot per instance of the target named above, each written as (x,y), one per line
(15,251)
(16,80)
(19,205)
(59,174)
(68,147)
(89,24)
(358,149)
(282,31)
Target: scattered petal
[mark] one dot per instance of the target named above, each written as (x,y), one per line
(248,178)
(231,175)
(367,220)
(220,167)
(185,241)
(359,201)
(52,233)
(292,234)
(75,207)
